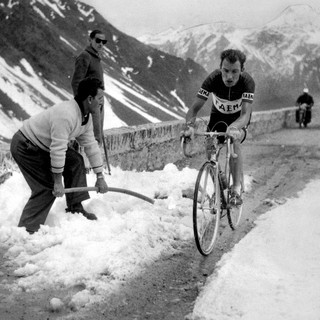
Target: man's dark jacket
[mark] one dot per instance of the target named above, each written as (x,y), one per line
(305,98)
(88,64)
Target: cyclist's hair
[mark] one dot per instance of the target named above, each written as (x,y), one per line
(232,56)
(88,87)
(94,32)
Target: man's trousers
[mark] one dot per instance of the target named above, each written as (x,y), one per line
(35,165)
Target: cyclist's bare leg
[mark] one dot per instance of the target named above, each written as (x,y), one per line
(236,167)
(236,164)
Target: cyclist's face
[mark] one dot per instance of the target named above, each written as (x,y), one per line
(230,72)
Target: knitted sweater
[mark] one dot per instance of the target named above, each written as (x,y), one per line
(88,64)
(52,129)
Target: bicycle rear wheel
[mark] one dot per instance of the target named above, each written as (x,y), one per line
(206,208)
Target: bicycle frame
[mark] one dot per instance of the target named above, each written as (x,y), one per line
(215,156)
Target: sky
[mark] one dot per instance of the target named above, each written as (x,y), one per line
(272,273)
(140,17)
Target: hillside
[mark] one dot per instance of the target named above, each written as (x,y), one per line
(282,56)
(39,40)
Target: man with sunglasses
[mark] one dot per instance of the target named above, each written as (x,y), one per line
(88,64)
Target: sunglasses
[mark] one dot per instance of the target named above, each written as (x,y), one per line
(97,40)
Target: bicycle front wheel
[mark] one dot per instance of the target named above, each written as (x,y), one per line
(206,208)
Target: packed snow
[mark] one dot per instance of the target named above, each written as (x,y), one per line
(70,250)
(272,273)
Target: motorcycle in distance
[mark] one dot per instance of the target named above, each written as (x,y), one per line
(303,115)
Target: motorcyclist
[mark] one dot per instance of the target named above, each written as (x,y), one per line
(305,100)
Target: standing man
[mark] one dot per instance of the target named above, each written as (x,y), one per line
(41,151)
(88,64)
(232,91)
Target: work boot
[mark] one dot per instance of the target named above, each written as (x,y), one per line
(78,208)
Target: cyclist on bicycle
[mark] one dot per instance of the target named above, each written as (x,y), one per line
(232,91)
(305,100)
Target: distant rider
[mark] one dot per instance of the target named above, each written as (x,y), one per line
(232,91)
(305,100)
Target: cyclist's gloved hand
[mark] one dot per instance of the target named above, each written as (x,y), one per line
(187,132)
(234,132)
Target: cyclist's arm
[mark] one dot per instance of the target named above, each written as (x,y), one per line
(194,109)
(245,116)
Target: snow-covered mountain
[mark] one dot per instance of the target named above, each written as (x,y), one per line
(39,40)
(283,55)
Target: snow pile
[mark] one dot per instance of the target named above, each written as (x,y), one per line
(71,251)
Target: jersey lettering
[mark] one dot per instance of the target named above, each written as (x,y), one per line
(226,106)
(247,96)
(203,93)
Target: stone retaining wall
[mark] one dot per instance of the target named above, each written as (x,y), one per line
(151,146)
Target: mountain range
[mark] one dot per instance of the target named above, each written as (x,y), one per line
(39,41)
(283,56)
(150,79)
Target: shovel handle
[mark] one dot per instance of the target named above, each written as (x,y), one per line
(119,190)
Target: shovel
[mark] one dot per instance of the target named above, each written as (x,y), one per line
(119,190)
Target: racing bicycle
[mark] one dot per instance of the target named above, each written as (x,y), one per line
(212,192)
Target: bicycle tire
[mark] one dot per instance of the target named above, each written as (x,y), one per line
(301,118)
(234,213)
(206,208)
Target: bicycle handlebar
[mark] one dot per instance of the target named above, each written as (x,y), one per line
(205,134)
(213,134)
(183,147)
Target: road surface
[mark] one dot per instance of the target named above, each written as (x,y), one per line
(280,165)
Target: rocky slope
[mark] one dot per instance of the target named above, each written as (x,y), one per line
(283,55)
(39,40)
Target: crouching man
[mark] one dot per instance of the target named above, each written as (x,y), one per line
(41,151)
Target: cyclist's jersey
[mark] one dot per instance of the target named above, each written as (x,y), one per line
(227,101)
